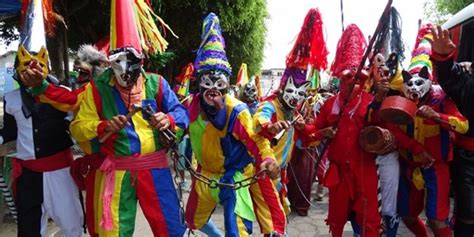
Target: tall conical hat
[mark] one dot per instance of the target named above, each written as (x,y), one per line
(242,76)
(420,56)
(33,37)
(211,55)
(123,26)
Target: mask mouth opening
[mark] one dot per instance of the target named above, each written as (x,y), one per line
(293,102)
(214,98)
(414,96)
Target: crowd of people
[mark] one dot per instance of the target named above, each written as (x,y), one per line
(256,156)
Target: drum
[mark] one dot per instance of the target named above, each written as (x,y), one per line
(398,110)
(377,140)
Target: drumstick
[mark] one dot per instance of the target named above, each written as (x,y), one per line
(135,109)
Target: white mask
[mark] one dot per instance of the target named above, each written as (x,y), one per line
(126,64)
(294,95)
(415,87)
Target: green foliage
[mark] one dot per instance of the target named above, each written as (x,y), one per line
(451,6)
(439,11)
(242,23)
(8,29)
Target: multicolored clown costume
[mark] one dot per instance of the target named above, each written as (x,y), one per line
(352,174)
(272,111)
(135,165)
(282,106)
(426,188)
(42,186)
(222,139)
(90,64)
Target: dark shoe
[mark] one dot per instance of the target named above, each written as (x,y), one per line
(301,212)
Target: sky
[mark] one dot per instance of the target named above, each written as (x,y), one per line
(286,19)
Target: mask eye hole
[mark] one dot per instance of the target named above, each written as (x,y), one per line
(410,83)
(289,90)
(301,93)
(419,82)
(221,84)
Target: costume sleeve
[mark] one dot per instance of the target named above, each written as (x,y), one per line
(61,98)
(372,116)
(87,124)
(311,135)
(452,118)
(9,131)
(257,146)
(404,141)
(263,118)
(454,81)
(170,105)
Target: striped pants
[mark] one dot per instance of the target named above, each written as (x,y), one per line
(268,206)
(154,190)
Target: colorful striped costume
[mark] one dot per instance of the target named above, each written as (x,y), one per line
(270,112)
(152,187)
(224,150)
(428,188)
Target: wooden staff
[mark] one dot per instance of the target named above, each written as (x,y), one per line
(135,109)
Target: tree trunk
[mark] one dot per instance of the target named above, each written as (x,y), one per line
(56,50)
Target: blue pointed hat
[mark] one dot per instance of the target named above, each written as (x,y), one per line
(211,55)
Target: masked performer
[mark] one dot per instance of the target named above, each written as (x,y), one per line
(44,188)
(223,141)
(302,167)
(425,146)
(352,176)
(457,80)
(135,166)
(249,96)
(275,114)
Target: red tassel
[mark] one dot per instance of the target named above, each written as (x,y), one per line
(310,47)
(350,50)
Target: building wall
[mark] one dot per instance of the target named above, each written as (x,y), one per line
(7,83)
(271,79)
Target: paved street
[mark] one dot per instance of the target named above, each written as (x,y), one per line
(312,225)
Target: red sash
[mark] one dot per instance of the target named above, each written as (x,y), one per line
(53,162)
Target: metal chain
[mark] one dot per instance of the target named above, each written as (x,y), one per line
(212,183)
(179,180)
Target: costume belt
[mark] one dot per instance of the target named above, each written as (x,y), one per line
(53,162)
(83,166)
(464,142)
(130,163)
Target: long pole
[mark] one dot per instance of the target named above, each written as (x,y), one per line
(378,30)
(342,15)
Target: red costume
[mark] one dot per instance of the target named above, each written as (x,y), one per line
(352,174)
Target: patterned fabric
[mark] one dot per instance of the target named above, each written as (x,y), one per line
(270,112)
(230,147)
(224,149)
(431,136)
(154,187)
(102,101)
